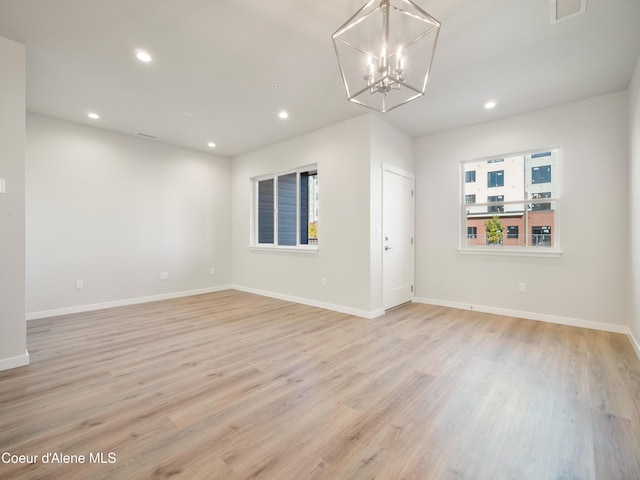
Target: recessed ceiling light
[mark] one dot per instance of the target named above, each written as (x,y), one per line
(143,56)
(94,116)
(283,114)
(211,145)
(490,104)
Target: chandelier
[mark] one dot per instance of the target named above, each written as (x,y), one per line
(385,51)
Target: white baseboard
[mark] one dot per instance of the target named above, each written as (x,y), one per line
(574,322)
(634,342)
(369,314)
(542,317)
(121,303)
(14,362)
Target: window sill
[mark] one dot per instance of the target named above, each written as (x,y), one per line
(512,251)
(305,250)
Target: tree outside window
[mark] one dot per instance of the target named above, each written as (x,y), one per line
(495,230)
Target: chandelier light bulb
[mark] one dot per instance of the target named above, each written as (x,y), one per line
(399,60)
(143,56)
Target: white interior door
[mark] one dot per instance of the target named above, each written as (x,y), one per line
(397,238)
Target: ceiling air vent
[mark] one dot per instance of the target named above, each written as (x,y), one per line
(147,136)
(562,9)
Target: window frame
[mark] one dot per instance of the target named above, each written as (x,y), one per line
(470,176)
(540,179)
(275,246)
(540,206)
(496,204)
(523,201)
(513,232)
(541,235)
(498,177)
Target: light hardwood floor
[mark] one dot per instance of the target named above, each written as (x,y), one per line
(236,386)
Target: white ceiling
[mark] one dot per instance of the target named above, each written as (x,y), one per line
(215,61)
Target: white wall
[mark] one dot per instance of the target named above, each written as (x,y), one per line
(634,182)
(389,147)
(586,284)
(115,211)
(349,155)
(342,153)
(13,335)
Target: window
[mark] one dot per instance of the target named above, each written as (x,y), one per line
(265,211)
(495,208)
(541,174)
(523,217)
(286,209)
(495,179)
(541,236)
(470,176)
(540,206)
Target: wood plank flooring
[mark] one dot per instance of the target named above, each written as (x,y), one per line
(235,386)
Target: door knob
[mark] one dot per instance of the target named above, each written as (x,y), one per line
(387,247)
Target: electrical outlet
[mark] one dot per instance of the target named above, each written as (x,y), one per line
(79,284)
(522,288)
(212,271)
(164,276)
(323,282)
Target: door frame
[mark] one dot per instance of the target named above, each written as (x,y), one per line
(386,168)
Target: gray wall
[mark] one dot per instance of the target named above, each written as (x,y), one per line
(349,156)
(342,153)
(115,211)
(13,346)
(634,183)
(587,282)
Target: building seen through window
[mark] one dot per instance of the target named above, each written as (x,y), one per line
(507,210)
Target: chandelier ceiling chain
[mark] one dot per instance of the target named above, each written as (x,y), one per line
(385,51)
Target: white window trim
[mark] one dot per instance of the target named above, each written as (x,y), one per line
(510,251)
(269,248)
(254,246)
